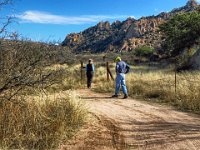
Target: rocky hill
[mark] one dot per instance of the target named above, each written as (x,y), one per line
(123,36)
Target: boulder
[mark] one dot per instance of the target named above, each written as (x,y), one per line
(194,61)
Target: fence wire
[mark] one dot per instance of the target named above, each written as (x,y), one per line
(177,81)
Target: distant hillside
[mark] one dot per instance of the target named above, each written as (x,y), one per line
(123,36)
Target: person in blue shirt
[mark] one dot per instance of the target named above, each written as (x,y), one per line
(121,69)
(89,72)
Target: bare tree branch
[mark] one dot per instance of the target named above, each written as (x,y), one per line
(5,21)
(5,2)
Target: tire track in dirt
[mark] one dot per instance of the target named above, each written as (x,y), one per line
(132,124)
(117,138)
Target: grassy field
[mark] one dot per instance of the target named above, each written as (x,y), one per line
(151,83)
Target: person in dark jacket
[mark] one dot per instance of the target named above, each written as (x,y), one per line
(89,72)
(121,69)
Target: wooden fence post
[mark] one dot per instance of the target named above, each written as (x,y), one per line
(81,70)
(104,58)
(109,73)
(175,80)
(107,68)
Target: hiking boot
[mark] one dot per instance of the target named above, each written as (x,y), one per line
(125,96)
(114,96)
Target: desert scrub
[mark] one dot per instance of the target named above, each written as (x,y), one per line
(40,122)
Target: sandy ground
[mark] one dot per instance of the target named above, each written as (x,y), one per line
(132,124)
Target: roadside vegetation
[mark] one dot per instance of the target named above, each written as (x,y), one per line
(40,122)
(156,85)
(38,108)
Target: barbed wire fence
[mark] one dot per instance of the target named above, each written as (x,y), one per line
(174,83)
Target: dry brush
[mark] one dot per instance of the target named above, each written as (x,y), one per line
(31,117)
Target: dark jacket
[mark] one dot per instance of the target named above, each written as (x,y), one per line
(122,67)
(90,68)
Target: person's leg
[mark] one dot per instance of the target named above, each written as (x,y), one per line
(117,84)
(90,81)
(88,85)
(123,84)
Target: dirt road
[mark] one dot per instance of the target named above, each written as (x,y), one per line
(132,124)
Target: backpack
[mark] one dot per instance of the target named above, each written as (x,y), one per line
(89,68)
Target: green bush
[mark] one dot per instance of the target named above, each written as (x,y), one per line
(144,51)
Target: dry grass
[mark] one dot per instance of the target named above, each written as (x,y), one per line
(40,122)
(68,78)
(100,81)
(161,86)
(28,119)
(43,118)
(158,85)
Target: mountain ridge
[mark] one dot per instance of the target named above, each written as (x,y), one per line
(123,35)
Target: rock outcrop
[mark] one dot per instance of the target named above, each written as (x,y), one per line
(194,61)
(123,36)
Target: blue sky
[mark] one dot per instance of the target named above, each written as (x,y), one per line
(48,20)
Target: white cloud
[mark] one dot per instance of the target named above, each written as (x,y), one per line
(47,18)
(198,1)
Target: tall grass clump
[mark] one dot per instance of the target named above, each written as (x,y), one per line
(100,81)
(150,84)
(68,77)
(39,123)
(160,85)
(188,87)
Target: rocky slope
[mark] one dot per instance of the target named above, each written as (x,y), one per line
(123,36)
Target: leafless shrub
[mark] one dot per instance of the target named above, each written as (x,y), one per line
(30,121)
(5,21)
(22,65)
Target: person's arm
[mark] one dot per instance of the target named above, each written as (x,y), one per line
(86,68)
(93,67)
(127,68)
(117,68)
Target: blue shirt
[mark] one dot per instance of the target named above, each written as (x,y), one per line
(122,67)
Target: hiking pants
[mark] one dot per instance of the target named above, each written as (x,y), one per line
(120,81)
(89,78)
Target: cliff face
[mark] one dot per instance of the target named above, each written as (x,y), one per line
(123,36)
